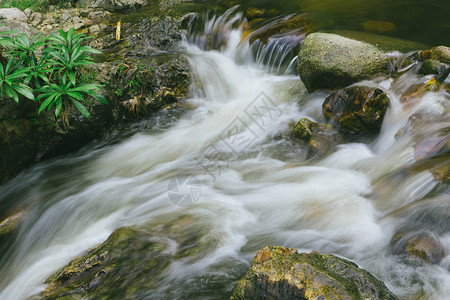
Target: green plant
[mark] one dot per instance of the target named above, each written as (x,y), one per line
(68,54)
(11,82)
(39,69)
(57,94)
(22,48)
(53,75)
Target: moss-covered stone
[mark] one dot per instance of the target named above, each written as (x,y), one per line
(329,61)
(283,273)
(253,13)
(318,137)
(131,262)
(433,66)
(440,53)
(357,110)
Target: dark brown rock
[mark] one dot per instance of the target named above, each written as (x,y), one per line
(357,110)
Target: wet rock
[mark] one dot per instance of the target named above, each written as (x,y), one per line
(113,5)
(28,138)
(440,53)
(318,137)
(433,145)
(418,90)
(329,61)
(282,273)
(144,90)
(8,225)
(433,66)
(357,110)
(131,262)
(14,14)
(422,245)
(253,13)
(300,24)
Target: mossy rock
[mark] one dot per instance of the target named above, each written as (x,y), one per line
(283,273)
(319,138)
(329,61)
(433,66)
(440,53)
(131,262)
(357,110)
(253,13)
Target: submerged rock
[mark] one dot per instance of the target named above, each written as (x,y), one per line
(318,137)
(10,224)
(283,273)
(357,110)
(300,24)
(416,91)
(433,145)
(329,61)
(421,245)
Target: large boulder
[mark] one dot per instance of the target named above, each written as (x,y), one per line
(113,5)
(130,264)
(13,13)
(329,61)
(357,110)
(283,273)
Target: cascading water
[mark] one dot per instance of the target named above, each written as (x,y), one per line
(256,189)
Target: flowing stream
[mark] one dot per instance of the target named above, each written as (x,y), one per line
(252,188)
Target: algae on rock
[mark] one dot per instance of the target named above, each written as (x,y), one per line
(283,273)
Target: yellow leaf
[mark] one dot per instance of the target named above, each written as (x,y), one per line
(431,81)
(118,31)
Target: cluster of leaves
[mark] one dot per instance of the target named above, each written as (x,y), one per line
(51,77)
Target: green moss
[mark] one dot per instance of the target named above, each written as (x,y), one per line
(279,272)
(131,261)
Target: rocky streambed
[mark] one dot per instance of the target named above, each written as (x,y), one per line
(352,161)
